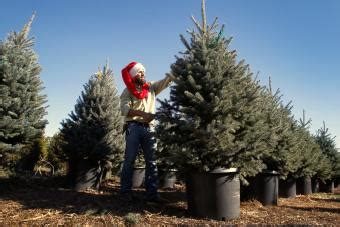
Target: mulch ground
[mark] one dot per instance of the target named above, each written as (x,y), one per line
(37,200)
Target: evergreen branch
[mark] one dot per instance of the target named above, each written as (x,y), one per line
(204,19)
(197,25)
(26,29)
(185,42)
(214,25)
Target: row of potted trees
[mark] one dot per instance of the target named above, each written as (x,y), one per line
(223,131)
(220,129)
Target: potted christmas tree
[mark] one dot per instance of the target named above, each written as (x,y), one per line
(284,158)
(166,168)
(92,135)
(328,148)
(138,175)
(264,186)
(307,150)
(22,102)
(212,122)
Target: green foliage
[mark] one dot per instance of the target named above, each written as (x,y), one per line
(306,149)
(328,147)
(55,154)
(140,161)
(289,142)
(213,117)
(272,124)
(322,165)
(337,165)
(21,103)
(38,150)
(132,218)
(93,130)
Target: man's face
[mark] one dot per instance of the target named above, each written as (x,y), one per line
(140,78)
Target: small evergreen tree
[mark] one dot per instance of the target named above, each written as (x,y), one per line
(284,158)
(37,151)
(21,100)
(328,147)
(273,124)
(93,130)
(312,162)
(213,118)
(55,153)
(322,165)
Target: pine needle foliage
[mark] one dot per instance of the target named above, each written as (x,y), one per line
(22,102)
(213,117)
(93,130)
(328,148)
(308,150)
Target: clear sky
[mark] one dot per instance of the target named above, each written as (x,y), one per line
(296,43)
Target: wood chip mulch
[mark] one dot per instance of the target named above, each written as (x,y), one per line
(42,201)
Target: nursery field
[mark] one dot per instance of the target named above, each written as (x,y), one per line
(39,200)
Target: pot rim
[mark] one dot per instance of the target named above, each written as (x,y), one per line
(224,170)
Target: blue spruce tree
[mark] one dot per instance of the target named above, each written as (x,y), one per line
(22,104)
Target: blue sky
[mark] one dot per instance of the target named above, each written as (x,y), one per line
(296,43)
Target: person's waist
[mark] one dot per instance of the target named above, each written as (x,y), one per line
(139,123)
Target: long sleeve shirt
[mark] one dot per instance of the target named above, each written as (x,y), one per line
(148,104)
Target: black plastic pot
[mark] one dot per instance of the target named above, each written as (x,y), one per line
(88,175)
(215,194)
(248,192)
(287,188)
(315,185)
(336,182)
(327,186)
(138,177)
(169,179)
(267,187)
(304,186)
(71,174)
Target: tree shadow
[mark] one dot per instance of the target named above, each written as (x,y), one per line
(47,193)
(327,200)
(319,209)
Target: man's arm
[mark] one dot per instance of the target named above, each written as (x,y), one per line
(146,116)
(125,106)
(162,84)
(125,103)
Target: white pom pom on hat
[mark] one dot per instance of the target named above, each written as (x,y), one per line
(136,68)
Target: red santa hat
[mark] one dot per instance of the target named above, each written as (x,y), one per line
(137,67)
(128,73)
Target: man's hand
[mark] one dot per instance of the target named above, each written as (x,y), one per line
(172,77)
(148,117)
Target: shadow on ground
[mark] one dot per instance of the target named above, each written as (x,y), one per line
(327,200)
(48,193)
(313,209)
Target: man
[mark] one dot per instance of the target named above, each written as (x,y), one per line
(138,106)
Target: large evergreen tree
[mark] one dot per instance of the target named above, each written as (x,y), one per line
(93,130)
(213,118)
(22,104)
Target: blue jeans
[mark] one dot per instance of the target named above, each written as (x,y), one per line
(139,136)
